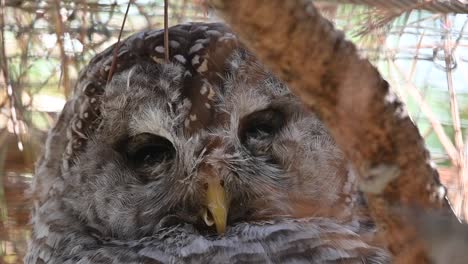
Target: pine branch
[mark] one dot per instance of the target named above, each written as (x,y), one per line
(436,6)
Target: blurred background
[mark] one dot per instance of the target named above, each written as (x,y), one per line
(420,46)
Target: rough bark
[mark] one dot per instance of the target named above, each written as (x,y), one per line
(367,121)
(439,6)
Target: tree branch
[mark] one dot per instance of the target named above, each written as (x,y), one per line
(347,92)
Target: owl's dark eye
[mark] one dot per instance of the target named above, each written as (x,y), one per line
(147,149)
(261,125)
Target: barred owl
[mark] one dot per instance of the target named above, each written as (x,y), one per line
(205,158)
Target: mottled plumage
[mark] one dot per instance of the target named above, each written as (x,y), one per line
(208,158)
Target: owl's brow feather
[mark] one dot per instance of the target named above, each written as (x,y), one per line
(192,162)
(153,119)
(245,98)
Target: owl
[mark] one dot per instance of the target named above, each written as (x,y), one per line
(205,158)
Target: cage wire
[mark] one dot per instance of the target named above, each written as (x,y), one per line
(421,47)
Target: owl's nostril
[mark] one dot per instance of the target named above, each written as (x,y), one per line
(221,182)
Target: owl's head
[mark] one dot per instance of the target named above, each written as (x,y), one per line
(211,139)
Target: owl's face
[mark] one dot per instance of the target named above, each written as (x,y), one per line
(206,158)
(241,149)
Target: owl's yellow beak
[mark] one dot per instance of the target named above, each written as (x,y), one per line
(216,206)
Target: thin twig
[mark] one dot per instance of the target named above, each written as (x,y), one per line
(460,36)
(435,123)
(454,110)
(59,31)
(182,11)
(416,53)
(83,30)
(166,31)
(15,120)
(378,17)
(141,10)
(413,70)
(117,46)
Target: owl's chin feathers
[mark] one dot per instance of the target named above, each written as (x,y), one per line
(306,240)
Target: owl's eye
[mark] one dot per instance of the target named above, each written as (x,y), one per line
(261,125)
(146,150)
